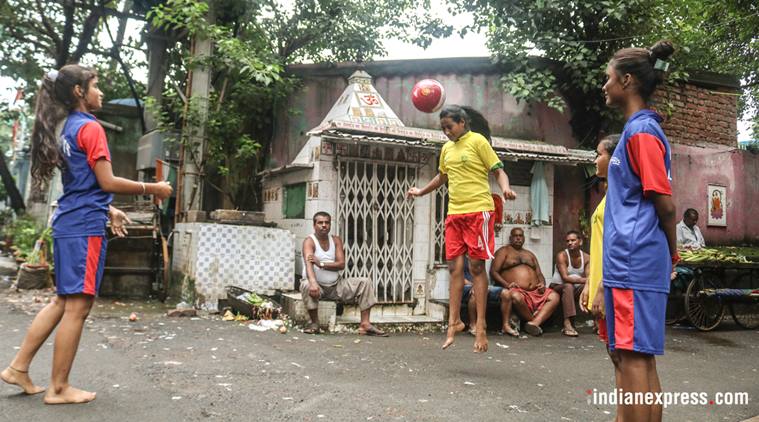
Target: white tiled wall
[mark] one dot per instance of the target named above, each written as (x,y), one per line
(219,255)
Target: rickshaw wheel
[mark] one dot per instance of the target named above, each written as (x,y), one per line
(705,313)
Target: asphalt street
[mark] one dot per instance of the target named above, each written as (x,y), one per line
(175,369)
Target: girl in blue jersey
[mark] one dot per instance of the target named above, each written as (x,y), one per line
(67,136)
(639,243)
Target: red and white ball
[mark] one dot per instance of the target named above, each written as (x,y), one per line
(428,95)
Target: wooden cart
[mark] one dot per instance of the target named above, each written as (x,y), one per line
(716,287)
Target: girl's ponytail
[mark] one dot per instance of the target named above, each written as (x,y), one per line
(48,114)
(478,123)
(55,100)
(473,119)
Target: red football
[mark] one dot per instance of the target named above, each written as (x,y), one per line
(428,95)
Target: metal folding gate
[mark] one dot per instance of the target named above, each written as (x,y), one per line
(376,223)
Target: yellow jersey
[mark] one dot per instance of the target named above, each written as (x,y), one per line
(595,272)
(467,163)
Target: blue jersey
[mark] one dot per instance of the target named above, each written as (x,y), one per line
(83,207)
(636,253)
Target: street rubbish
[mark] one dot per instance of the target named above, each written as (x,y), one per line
(268,324)
(253,305)
(133,317)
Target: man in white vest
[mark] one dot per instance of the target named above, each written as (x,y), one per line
(324,258)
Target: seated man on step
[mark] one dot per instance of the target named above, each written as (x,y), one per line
(518,270)
(569,277)
(324,257)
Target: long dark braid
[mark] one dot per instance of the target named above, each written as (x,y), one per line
(55,100)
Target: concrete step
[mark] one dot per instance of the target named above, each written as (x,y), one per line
(391,324)
(390,317)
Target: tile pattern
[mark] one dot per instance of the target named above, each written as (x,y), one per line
(255,258)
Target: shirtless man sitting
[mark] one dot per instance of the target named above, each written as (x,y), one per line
(518,270)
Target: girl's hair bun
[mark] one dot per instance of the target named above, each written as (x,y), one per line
(662,50)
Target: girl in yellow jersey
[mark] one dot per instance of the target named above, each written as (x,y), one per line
(465,163)
(592,297)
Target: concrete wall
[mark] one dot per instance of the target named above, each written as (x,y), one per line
(693,168)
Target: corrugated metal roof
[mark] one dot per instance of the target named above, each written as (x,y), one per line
(507,149)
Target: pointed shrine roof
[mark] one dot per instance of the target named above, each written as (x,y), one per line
(361,103)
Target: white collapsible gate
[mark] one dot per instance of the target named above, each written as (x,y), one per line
(376,223)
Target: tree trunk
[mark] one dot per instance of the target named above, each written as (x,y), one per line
(17,201)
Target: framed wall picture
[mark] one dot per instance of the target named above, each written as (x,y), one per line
(716,197)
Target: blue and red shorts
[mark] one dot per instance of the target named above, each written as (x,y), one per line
(79,264)
(635,320)
(472,234)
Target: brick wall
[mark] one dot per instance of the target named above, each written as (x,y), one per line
(699,114)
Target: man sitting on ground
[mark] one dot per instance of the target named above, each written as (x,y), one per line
(569,277)
(324,257)
(496,295)
(518,270)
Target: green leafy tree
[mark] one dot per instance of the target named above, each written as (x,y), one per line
(36,35)
(253,41)
(556,51)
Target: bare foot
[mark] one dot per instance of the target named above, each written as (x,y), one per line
(68,395)
(15,377)
(452,330)
(480,341)
(509,330)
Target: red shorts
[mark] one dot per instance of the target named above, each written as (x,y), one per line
(533,299)
(470,234)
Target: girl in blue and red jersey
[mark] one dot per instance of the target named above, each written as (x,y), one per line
(639,248)
(68,137)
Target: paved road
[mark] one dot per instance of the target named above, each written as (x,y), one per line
(161,369)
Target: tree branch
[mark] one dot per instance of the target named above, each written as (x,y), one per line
(68,32)
(48,27)
(88,30)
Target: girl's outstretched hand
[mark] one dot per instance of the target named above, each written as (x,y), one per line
(413,192)
(162,190)
(119,220)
